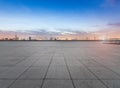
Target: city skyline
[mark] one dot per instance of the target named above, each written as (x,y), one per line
(50,35)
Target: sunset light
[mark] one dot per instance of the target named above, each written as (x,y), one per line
(59,43)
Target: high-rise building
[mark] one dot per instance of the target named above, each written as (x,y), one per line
(16,37)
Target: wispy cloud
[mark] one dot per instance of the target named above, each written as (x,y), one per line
(71,31)
(45,32)
(111,29)
(110,3)
(114,24)
(42,32)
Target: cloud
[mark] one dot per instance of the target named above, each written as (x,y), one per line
(71,31)
(55,33)
(114,24)
(110,28)
(45,32)
(110,3)
(40,32)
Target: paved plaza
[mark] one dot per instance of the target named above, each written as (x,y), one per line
(59,64)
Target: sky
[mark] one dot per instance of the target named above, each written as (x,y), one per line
(59,15)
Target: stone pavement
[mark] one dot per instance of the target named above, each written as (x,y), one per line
(59,64)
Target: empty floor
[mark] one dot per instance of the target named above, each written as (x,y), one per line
(59,64)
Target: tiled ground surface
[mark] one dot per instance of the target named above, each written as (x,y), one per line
(59,65)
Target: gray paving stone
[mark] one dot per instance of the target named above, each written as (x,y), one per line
(3,69)
(58,84)
(35,73)
(28,63)
(89,62)
(115,69)
(88,84)
(10,61)
(80,72)
(58,61)
(112,83)
(27,84)
(5,83)
(104,73)
(12,73)
(58,54)
(73,62)
(42,62)
(58,72)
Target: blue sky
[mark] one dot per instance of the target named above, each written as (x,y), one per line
(58,15)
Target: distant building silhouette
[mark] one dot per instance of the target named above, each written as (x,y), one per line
(87,38)
(55,38)
(16,37)
(30,38)
(6,38)
(51,38)
(94,38)
(66,39)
